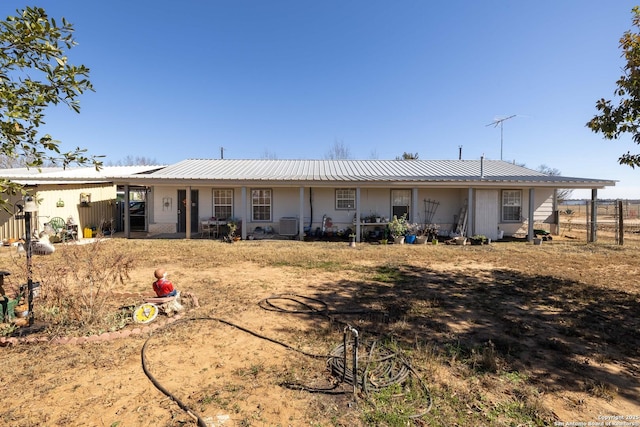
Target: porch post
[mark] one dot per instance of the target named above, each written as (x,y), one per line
(532,193)
(470,214)
(358,239)
(593,237)
(243,212)
(149,211)
(414,205)
(127,218)
(555,222)
(187,213)
(301,214)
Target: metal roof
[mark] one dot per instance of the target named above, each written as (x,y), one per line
(74,175)
(317,172)
(371,171)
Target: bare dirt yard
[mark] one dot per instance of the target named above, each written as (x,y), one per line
(505,334)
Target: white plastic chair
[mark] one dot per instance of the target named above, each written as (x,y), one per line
(205,228)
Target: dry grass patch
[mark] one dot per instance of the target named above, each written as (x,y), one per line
(505,334)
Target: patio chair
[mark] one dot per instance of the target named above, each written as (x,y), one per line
(205,228)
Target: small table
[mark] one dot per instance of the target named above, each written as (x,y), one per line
(217,224)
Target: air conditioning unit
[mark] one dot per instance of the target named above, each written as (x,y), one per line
(288,226)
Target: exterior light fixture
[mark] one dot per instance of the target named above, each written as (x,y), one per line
(30,204)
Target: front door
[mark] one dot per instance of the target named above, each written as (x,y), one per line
(182,211)
(486,213)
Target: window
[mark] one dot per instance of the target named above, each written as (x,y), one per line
(223,204)
(345,198)
(400,202)
(261,205)
(511,205)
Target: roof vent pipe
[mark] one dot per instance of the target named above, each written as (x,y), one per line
(482,167)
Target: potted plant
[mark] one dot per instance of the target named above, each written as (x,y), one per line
(398,228)
(421,235)
(20,307)
(372,218)
(232,226)
(479,239)
(413,230)
(385,236)
(432,231)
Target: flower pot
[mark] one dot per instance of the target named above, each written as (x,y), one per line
(537,241)
(421,240)
(21,311)
(410,239)
(399,240)
(461,240)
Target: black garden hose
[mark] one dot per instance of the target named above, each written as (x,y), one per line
(382,367)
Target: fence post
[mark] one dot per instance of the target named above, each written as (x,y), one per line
(620,224)
(594,215)
(587,217)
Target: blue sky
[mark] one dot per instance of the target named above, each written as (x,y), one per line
(288,79)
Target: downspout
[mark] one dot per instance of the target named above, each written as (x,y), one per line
(301,214)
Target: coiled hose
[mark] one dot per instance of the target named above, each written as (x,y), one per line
(379,369)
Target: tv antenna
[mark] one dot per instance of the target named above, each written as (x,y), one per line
(500,122)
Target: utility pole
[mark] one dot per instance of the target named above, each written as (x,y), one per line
(497,122)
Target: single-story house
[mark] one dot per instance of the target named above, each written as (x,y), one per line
(297,197)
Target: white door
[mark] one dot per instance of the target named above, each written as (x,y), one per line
(487,213)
